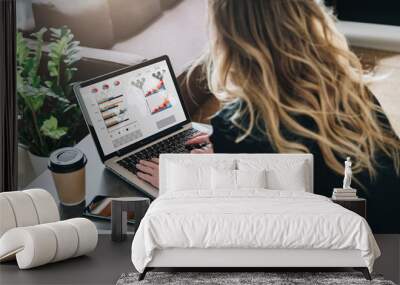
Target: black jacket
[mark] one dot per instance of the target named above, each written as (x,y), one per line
(382,194)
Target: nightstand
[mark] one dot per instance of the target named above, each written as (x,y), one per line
(357,205)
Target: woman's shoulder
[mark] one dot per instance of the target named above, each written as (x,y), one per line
(223,119)
(222,123)
(230,123)
(226,113)
(233,119)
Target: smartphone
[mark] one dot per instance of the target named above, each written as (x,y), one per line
(100,208)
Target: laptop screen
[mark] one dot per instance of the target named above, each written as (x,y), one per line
(132,106)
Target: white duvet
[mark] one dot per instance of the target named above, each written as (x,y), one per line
(253,218)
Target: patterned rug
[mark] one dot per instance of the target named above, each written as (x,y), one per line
(243,278)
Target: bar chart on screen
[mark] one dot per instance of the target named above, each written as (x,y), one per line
(113,112)
(112,106)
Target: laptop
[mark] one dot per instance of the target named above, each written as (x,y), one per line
(135,113)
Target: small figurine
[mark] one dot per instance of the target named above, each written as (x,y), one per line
(347,174)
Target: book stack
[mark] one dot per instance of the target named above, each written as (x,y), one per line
(344,194)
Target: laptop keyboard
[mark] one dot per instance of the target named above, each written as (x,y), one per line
(174,144)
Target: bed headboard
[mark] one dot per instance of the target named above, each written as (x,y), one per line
(239,161)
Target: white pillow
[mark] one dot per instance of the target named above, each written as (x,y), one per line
(223,179)
(293,180)
(282,174)
(182,177)
(226,179)
(251,178)
(186,175)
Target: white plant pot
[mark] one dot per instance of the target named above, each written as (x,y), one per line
(39,163)
(25,170)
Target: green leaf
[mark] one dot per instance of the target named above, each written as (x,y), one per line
(36,102)
(37,54)
(36,81)
(50,124)
(49,93)
(28,66)
(39,34)
(50,129)
(33,97)
(55,32)
(72,106)
(62,50)
(58,133)
(22,51)
(48,83)
(68,74)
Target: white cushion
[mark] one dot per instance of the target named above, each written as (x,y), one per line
(223,179)
(282,174)
(45,206)
(7,219)
(40,244)
(87,235)
(226,179)
(251,178)
(292,180)
(66,237)
(23,208)
(26,208)
(30,246)
(188,175)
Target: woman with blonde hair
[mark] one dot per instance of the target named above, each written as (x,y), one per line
(289,83)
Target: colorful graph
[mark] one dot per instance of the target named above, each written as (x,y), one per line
(160,86)
(104,99)
(116,120)
(154,91)
(113,113)
(112,107)
(163,106)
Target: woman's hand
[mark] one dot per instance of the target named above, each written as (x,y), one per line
(148,171)
(201,139)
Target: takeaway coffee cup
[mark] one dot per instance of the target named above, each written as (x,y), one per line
(67,166)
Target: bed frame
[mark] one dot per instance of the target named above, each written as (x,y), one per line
(240,259)
(259,259)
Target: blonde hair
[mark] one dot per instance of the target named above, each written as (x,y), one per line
(285,58)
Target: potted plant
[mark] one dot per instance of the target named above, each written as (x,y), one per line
(48,116)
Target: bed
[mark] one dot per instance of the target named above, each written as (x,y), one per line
(247,211)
